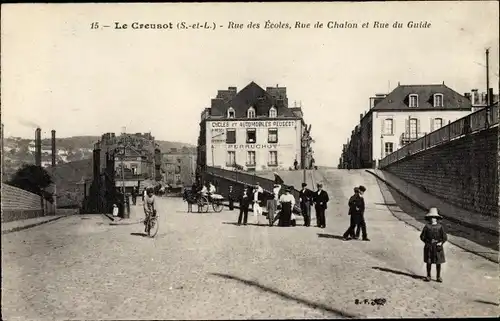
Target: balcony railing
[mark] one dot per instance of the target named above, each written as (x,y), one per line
(407,138)
(128,175)
(475,122)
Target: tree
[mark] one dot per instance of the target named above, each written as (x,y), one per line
(31,178)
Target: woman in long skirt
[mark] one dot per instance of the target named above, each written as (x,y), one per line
(434,236)
(287,203)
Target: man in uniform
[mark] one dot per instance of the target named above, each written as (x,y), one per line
(305,197)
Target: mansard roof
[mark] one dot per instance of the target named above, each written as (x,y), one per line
(399,98)
(250,96)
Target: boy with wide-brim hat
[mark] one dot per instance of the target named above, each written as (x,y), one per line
(434,236)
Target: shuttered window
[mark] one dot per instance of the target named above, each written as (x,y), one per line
(230,136)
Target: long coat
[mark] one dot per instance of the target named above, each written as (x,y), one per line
(430,235)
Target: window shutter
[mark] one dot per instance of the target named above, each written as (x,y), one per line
(382,132)
(407,126)
(393,126)
(418,127)
(432,124)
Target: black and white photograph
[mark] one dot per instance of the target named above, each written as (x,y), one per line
(258,160)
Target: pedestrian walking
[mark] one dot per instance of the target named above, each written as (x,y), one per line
(244,205)
(320,205)
(361,224)
(230,197)
(434,236)
(258,194)
(287,202)
(272,204)
(305,198)
(134,195)
(355,203)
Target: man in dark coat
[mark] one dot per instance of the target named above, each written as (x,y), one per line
(320,205)
(355,206)
(245,200)
(305,199)
(230,197)
(361,219)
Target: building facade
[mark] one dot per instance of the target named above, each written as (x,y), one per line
(178,167)
(253,130)
(406,114)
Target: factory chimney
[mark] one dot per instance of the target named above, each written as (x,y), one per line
(38,147)
(54,152)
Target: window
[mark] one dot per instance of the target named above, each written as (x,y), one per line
(272,112)
(230,112)
(231,158)
(389,148)
(413,100)
(230,136)
(251,112)
(438,100)
(251,158)
(438,123)
(413,128)
(272,135)
(134,169)
(388,127)
(273,158)
(251,136)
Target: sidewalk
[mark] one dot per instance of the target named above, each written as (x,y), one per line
(424,200)
(19,225)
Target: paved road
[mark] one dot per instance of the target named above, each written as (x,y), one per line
(201,266)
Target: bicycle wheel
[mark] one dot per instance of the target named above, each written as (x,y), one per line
(154,225)
(217,205)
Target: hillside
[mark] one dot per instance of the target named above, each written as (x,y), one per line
(69,149)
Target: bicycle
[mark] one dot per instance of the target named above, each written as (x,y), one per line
(152,224)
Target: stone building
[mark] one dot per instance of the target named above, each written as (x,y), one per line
(253,129)
(178,166)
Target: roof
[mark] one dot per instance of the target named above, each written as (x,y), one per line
(251,95)
(398,99)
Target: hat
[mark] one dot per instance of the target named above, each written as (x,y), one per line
(433,212)
(304,184)
(319,185)
(362,188)
(356,189)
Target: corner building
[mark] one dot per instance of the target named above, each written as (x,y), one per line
(254,130)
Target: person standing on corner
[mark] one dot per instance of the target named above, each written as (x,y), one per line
(272,204)
(245,200)
(230,196)
(287,202)
(434,236)
(361,224)
(320,205)
(305,196)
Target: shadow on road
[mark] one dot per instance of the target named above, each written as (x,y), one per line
(387,204)
(287,296)
(487,302)
(252,224)
(331,236)
(413,276)
(139,234)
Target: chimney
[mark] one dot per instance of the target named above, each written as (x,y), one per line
(360,116)
(38,147)
(473,97)
(53,148)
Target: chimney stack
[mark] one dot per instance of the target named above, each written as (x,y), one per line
(38,147)
(53,148)
(360,116)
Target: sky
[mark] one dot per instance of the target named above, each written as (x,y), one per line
(58,73)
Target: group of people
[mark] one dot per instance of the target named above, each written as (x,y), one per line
(280,204)
(357,212)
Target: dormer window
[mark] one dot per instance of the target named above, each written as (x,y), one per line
(230,112)
(413,102)
(272,112)
(251,112)
(438,100)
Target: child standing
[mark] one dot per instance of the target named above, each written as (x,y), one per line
(434,236)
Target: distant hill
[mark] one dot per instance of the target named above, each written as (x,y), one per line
(70,149)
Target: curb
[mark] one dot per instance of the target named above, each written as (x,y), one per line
(20,228)
(425,208)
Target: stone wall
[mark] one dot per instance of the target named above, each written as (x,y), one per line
(463,172)
(18,204)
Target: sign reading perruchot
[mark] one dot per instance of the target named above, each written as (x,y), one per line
(253,124)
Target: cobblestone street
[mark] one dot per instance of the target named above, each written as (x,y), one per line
(202,266)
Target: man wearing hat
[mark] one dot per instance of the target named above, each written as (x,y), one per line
(433,235)
(320,205)
(355,205)
(305,197)
(272,204)
(361,224)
